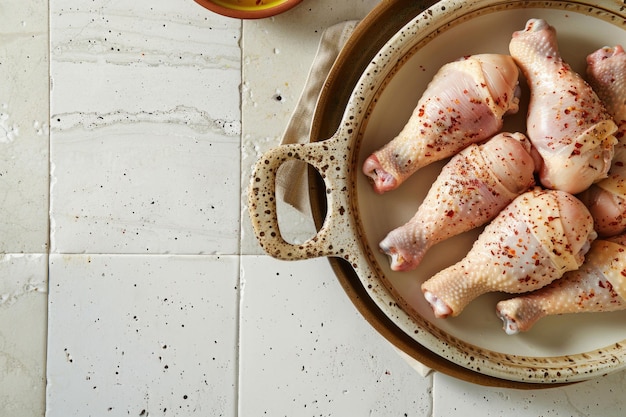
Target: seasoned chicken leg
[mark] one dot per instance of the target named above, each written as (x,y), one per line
(536,239)
(471,189)
(606,200)
(463,104)
(567,123)
(599,285)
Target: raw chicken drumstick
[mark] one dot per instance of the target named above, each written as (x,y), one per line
(471,189)
(606,200)
(599,285)
(567,123)
(536,239)
(463,104)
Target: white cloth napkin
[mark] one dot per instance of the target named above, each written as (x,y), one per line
(291,181)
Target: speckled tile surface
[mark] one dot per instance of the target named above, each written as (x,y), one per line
(130,281)
(304,350)
(144,334)
(23,220)
(24,127)
(23,313)
(145,128)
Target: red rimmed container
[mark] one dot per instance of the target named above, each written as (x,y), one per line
(248,9)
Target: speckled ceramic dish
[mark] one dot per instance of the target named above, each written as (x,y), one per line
(248,9)
(472,346)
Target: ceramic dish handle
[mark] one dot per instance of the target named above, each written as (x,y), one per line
(329,158)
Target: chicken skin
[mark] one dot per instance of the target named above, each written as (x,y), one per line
(598,285)
(463,104)
(536,239)
(606,200)
(566,122)
(471,190)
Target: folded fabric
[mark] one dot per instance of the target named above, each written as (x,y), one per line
(291,179)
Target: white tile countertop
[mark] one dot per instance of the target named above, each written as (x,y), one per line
(130,283)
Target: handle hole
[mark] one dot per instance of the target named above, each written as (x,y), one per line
(293,209)
(317,194)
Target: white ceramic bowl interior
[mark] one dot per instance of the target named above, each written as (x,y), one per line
(581,30)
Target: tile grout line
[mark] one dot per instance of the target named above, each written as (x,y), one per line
(238,319)
(48,246)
